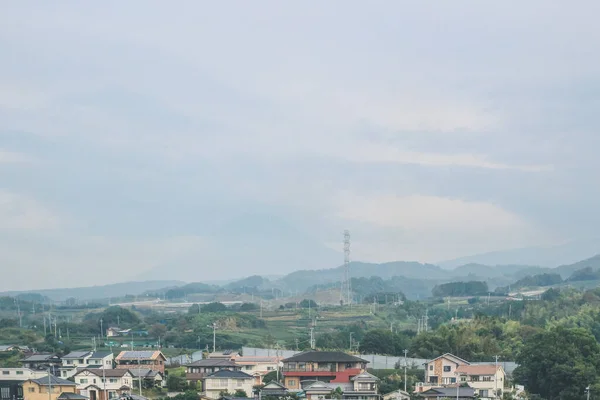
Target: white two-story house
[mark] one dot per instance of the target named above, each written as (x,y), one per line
(441,371)
(103,384)
(77,360)
(226,380)
(488,380)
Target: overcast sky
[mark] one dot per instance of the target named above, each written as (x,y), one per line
(134,134)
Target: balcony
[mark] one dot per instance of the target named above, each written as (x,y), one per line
(309,368)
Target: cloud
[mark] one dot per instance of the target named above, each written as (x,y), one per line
(13,157)
(21,213)
(176,117)
(419,227)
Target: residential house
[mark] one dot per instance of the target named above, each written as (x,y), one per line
(258,366)
(464,393)
(316,390)
(77,360)
(114,331)
(228,381)
(226,354)
(9,347)
(488,380)
(324,366)
(11,380)
(442,371)
(397,395)
(42,362)
(101,359)
(154,360)
(48,387)
(197,370)
(273,389)
(364,387)
(149,377)
(103,384)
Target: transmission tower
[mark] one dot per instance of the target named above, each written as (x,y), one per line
(345,297)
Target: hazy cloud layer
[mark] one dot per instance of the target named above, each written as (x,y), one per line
(139,134)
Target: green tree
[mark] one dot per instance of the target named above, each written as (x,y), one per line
(215,307)
(378,341)
(559,363)
(240,393)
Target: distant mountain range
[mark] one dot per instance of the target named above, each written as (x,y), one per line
(419,278)
(548,257)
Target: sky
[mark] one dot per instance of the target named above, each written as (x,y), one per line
(137,136)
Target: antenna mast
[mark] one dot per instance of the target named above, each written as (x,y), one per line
(345,297)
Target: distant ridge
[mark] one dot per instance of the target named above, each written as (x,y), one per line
(100,292)
(548,257)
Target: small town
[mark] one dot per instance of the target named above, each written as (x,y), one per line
(299,200)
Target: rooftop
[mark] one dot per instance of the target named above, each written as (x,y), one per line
(141,355)
(40,357)
(324,356)
(449,392)
(77,354)
(365,376)
(71,396)
(212,362)
(100,354)
(109,373)
(53,380)
(143,372)
(482,369)
(228,373)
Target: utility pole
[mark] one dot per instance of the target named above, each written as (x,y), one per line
(296,340)
(214,326)
(351,333)
(587,391)
(496,378)
(43,316)
(101,327)
(405,353)
(312,338)
(49,385)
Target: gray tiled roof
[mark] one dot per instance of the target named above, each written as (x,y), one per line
(324,356)
(212,362)
(53,380)
(100,354)
(71,396)
(78,354)
(39,357)
(227,373)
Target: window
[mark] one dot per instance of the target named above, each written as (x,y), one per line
(483,393)
(5,393)
(222,382)
(447,368)
(69,362)
(113,380)
(431,367)
(112,395)
(31,390)
(292,382)
(240,382)
(80,361)
(19,372)
(452,380)
(83,380)
(270,368)
(486,378)
(5,372)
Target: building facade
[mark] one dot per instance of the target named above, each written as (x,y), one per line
(226,381)
(103,384)
(488,380)
(323,366)
(154,360)
(196,371)
(48,387)
(442,370)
